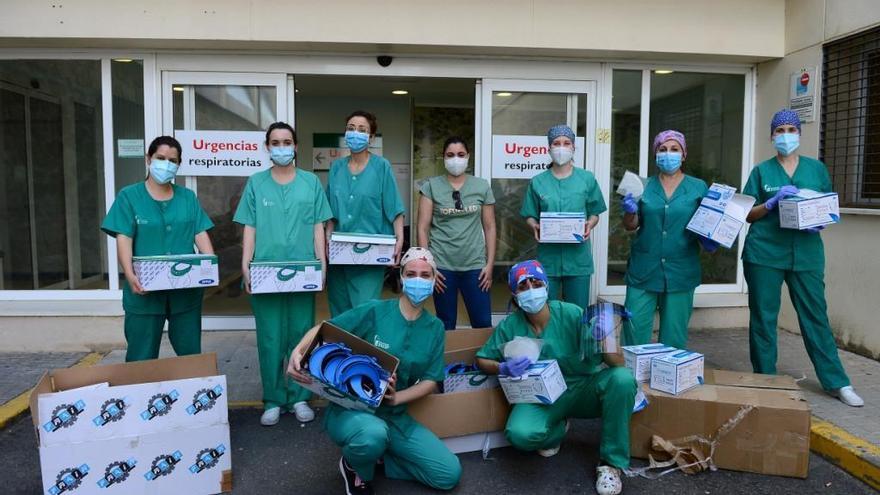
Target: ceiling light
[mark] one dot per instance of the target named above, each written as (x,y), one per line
(123,60)
(504,94)
(400,92)
(178,88)
(663,72)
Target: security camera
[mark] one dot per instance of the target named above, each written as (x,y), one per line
(384,60)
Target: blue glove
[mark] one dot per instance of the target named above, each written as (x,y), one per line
(514,366)
(815,230)
(783,192)
(709,245)
(629,204)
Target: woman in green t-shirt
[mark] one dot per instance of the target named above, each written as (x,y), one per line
(457,223)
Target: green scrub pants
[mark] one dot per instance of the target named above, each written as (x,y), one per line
(143,333)
(282,320)
(410,451)
(675,313)
(608,394)
(575,289)
(349,286)
(807,292)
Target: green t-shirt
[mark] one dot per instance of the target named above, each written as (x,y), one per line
(767,243)
(366,203)
(158,228)
(456,238)
(579,192)
(283,215)
(664,255)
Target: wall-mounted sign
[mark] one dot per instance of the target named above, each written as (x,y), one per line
(802,94)
(223,153)
(330,146)
(523,157)
(130,148)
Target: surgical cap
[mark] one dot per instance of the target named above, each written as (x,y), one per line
(785,117)
(559,130)
(676,136)
(418,253)
(525,270)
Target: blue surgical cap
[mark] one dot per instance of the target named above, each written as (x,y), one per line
(785,117)
(559,130)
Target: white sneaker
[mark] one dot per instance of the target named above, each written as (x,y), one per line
(303,412)
(270,416)
(608,481)
(555,450)
(848,396)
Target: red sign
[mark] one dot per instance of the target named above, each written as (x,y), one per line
(805,79)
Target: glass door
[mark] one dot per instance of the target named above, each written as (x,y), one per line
(224,102)
(515,117)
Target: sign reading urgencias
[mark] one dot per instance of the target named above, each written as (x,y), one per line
(222,153)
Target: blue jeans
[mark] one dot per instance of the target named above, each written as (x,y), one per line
(477,302)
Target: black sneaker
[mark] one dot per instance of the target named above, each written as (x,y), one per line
(354,485)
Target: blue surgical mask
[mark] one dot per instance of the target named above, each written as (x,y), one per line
(162,171)
(417,289)
(282,155)
(532,300)
(357,141)
(786,142)
(668,161)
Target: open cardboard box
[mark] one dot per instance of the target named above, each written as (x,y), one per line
(773,438)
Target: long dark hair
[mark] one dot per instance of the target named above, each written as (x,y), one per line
(167,141)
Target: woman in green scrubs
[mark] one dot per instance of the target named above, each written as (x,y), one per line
(564,188)
(593,391)
(401,327)
(364,198)
(664,262)
(154,218)
(797,257)
(283,211)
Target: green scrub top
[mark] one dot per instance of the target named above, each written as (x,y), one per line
(457,241)
(579,192)
(767,243)
(562,340)
(664,255)
(366,203)
(419,344)
(158,228)
(283,215)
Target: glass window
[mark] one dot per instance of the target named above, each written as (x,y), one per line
(128,122)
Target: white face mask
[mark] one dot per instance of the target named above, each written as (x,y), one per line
(561,154)
(456,165)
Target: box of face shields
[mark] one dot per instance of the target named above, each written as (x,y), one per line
(361,249)
(286,276)
(562,227)
(808,209)
(329,333)
(180,271)
(757,423)
(721,215)
(542,383)
(157,426)
(638,358)
(676,372)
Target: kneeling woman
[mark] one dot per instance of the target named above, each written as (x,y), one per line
(592,392)
(403,328)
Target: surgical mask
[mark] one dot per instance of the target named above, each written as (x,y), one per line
(282,155)
(668,161)
(417,289)
(786,143)
(357,141)
(561,154)
(532,300)
(456,165)
(162,171)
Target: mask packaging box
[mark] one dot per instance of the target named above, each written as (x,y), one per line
(808,209)
(181,271)
(361,249)
(638,358)
(286,276)
(542,383)
(721,215)
(562,227)
(676,372)
(632,184)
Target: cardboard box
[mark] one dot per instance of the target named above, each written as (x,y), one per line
(331,333)
(772,438)
(542,383)
(181,271)
(286,276)
(469,381)
(562,227)
(721,214)
(808,209)
(158,426)
(638,358)
(676,372)
(361,249)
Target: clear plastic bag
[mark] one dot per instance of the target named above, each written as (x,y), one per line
(523,346)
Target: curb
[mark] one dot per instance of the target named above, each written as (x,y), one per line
(19,404)
(854,455)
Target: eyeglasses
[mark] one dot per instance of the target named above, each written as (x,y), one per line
(456,196)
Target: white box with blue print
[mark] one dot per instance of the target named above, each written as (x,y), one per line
(721,215)
(361,249)
(638,358)
(181,271)
(809,209)
(542,383)
(559,227)
(286,276)
(676,372)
